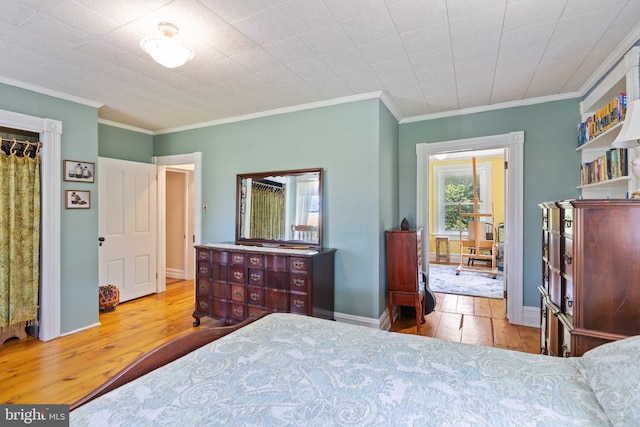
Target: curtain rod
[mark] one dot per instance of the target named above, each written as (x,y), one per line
(13,140)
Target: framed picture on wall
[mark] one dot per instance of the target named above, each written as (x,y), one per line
(77,199)
(75,170)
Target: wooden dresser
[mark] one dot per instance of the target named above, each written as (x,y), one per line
(236,282)
(404,272)
(590,292)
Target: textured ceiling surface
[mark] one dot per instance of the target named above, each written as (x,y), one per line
(252,56)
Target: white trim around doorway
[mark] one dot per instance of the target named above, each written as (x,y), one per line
(162,162)
(513,143)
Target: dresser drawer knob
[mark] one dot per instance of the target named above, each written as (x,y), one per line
(298,303)
(237,258)
(298,264)
(204,255)
(298,282)
(567,223)
(238,275)
(255,296)
(567,258)
(254,261)
(238,293)
(204,270)
(255,277)
(238,312)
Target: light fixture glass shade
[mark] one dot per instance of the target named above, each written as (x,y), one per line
(165,49)
(630,131)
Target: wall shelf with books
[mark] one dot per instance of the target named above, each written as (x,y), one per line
(604,171)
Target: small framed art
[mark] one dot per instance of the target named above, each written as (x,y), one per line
(77,199)
(77,171)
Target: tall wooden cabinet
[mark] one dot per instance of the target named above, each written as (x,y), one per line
(405,284)
(236,282)
(590,291)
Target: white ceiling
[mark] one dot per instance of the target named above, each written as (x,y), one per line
(425,56)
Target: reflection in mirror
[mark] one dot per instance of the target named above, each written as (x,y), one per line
(281,208)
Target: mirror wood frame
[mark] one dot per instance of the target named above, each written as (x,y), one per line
(278,243)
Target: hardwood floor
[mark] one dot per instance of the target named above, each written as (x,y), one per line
(474,320)
(65,369)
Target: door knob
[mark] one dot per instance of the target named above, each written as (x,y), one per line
(100,239)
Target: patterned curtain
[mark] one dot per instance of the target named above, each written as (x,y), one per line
(19,238)
(267,212)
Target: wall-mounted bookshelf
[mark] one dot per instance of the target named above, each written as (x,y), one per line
(604,170)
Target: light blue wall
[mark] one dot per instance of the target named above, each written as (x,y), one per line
(124,144)
(78,249)
(388,193)
(342,139)
(551,164)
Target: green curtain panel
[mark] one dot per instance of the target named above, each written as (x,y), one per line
(267,213)
(19,240)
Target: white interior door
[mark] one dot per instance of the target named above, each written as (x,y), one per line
(128,224)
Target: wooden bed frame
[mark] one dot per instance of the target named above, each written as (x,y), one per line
(161,355)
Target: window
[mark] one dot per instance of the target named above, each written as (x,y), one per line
(453,185)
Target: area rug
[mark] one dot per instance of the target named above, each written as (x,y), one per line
(443,278)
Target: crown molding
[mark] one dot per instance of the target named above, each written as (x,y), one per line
(50,92)
(492,107)
(285,110)
(123,126)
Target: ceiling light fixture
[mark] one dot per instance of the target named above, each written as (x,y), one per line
(167,50)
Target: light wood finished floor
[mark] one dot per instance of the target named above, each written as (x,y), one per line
(66,368)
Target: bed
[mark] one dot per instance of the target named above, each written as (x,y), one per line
(287,369)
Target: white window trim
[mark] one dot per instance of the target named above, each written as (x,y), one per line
(483,169)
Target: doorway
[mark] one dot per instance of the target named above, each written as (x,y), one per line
(452,268)
(512,143)
(163,164)
(179,225)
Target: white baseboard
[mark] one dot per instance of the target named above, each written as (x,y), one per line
(81,329)
(174,273)
(531,316)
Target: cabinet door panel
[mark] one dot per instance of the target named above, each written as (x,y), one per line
(276,300)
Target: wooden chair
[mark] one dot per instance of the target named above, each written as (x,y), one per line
(305,232)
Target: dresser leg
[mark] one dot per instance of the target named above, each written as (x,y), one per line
(390,308)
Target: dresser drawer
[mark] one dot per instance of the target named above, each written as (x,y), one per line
(298,282)
(567,259)
(205,287)
(238,293)
(221,308)
(254,312)
(205,269)
(276,300)
(276,262)
(221,257)
(237,312)
(256,276)
(237,274)
(277,279)
(298,303)
(567,306)
(298,264)
(238,258)
(221,290)
(220,272)
(204,255)
(255,261)
(204,304)
(255,295)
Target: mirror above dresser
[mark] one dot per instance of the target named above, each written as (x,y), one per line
(280,208)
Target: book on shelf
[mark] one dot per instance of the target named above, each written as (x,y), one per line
(603,119)
(612,164)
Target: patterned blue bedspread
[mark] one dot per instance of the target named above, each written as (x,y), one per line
(287,369)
